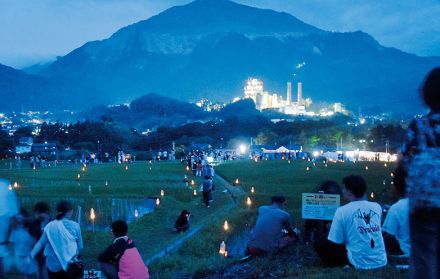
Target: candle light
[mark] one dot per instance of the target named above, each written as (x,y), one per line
(308,168)
(385,165)
(15,184)
(136,213)
(226,226)
(248,201)
(83,169)
(226,254)
(10,187)
(79,176)
(383,182)
(162,193)
(252,189)
(34,167)
(157,201)
(92,217)
(256,160)
(195,192)
(392,174)
(150,162)
(366,168)
(126,168)
(106,183)
(288,161)
(372,195)
(325,165)
(237,181)
(222,248)
(187,168)
(192,182)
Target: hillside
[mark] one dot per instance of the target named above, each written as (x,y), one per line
(208,48)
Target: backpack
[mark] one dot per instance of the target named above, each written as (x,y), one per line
(423,169)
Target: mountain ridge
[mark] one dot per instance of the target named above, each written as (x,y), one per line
(208,48)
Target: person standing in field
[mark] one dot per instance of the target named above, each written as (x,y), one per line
(207,189)
(420,161)
(42,218)
(61,241)
(8,209)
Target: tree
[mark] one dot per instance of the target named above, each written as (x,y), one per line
(6,144)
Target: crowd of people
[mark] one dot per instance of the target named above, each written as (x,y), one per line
(50,248)
(360,235)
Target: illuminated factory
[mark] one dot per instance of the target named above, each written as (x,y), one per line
(254,90)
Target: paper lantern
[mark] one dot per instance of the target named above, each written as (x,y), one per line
(226,226)
(92,214)
(222,248)
(248,201)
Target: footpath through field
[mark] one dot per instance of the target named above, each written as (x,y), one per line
(223,186)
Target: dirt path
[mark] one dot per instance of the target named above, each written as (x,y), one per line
(221,185)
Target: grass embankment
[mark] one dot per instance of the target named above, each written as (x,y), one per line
(151,232)
(199,257)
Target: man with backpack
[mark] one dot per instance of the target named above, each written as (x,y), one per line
(121,259)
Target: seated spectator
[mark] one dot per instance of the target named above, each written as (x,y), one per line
(182,222)
(316,232)
(121,260)
(396,225)
(273,230)
(318,229)
(357,225)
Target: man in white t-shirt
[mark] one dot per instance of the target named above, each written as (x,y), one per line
(357,225)
(396,229)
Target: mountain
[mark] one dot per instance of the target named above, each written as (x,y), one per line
(149,111)
(208,48)
(19,90)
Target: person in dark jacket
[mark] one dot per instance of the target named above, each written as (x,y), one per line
(182,222)
(207,189)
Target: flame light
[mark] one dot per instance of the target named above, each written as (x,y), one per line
(15,184)
(136,213)
(157,201)
(226,226)
(253,189)
(195,192)
(92,214)
(248,201)
(372,195)
(162,193)
(366,168)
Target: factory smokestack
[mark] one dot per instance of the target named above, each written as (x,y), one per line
(300,93)
(289,93)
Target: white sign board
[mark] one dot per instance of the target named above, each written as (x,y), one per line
(319,206)
(92,274)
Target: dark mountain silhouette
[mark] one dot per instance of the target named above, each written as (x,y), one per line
(149,111)
(208,48)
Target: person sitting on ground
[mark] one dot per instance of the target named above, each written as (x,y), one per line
(318,229)
(396,225)
(273,230)
(316,232)
(182,222)
(357,225)
(121,260)
(207,190)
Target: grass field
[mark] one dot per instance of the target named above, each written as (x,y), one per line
(198,257)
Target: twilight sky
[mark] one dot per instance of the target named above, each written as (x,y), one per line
(32,31)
